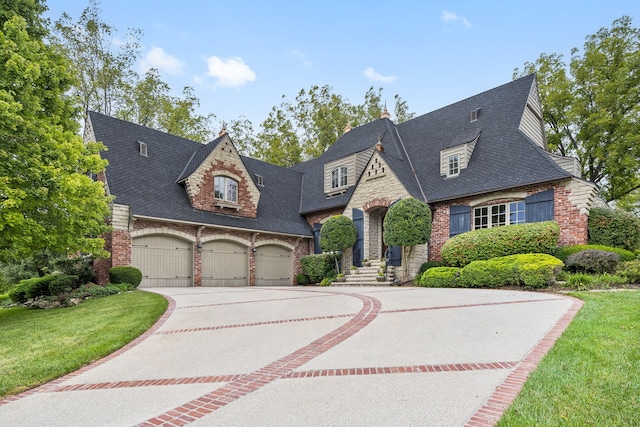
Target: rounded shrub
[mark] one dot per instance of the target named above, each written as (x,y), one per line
(302,279)
(427,265)
(317,267)
(613,227)
(537,270)
(487,243)
(592,261)
(39,286)
(563,252)
(440,277)
(125,274)
(532,270)
(337,234)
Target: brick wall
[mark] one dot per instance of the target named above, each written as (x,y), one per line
(572,199)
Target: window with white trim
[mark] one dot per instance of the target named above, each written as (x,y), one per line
(339,177)
(225,188)
(454,165)
(497,215)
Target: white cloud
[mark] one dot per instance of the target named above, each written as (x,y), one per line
(230,72)
(374,76)
(295,53)
(157,58)
(451,17)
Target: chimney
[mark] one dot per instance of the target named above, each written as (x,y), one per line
(223,131)
(347,128)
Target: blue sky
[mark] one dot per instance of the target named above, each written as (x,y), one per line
(242,56)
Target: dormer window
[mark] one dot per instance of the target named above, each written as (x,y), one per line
(454,165)
(339,177)
(142,147)
(226,189)
(474,115)
(259,180)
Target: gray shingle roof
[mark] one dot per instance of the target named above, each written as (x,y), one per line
(148,184)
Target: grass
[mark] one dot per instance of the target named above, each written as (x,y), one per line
(37,346)
(591,377)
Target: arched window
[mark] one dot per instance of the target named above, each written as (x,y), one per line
(339,177)
(226,189)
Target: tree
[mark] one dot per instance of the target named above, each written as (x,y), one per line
(303,130)
(337,234)
(406,224)
(103,68)
(592,107)
(47,198)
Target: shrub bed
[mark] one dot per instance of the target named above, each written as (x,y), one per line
(317,267)
(592,261)
(440,277)
(630,270)
(614,228)
(484,244)
(532,270)
(563,252)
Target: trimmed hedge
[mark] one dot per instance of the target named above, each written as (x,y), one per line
(484,244)
(317,267)
(592,261)
(440,277)
(125,274)
(614,228)
(532,270)
(52,284)
(563,252)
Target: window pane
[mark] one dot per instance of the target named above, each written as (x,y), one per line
(218,190)
(343,176)
(232,190)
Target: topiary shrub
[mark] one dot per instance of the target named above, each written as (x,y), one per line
(537,237)
(440,277)
(125,274)
(592,261)
(630,270)
(532,270)
(302,279)
(614,228)
(563,252)
(63,283)
(317,267)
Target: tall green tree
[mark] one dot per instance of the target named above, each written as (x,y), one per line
(104,69)
(406,224)
(304,129)
(47,198)
(592,107)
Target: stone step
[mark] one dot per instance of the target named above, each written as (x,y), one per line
(363,283)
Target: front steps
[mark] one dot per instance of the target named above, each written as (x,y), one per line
(367,276)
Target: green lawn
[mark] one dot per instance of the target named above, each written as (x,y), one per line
(591,377)
(37,346)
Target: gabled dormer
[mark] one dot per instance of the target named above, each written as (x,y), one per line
(341,174)
(216,180)
(456,158)
(531,123)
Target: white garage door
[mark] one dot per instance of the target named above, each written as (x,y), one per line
(274,266)
(225,263)
(163,260)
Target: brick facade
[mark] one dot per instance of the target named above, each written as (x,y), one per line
(572,199)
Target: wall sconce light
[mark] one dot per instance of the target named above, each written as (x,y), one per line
(199,245)
(253,250)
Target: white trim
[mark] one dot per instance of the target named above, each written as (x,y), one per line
(164,231)
(216,237)
(275,242)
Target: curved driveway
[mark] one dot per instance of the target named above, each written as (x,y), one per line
(314,357)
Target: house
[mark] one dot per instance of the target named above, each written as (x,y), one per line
(189,214)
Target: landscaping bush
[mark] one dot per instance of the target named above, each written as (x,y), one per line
(63,283)
(125,274)
(532,270)
(537,237)
(39,286)
(592,261)
(585,282)
(80,267)
(630,270)
(124,287)
(302,279)
(614,228)
(427,265)
(317,267)
(440,277)
(19,293)
(563,252)
(93,290)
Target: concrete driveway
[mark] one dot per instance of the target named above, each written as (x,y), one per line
(308,356)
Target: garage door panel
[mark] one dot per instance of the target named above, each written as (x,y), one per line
(274,266)
(165,261)
(225,263)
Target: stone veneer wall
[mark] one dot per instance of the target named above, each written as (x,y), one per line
(572,200)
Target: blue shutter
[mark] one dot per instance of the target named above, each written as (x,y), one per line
(394,256)
(358,248)
(459,219)
(539,207)
(316,238)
